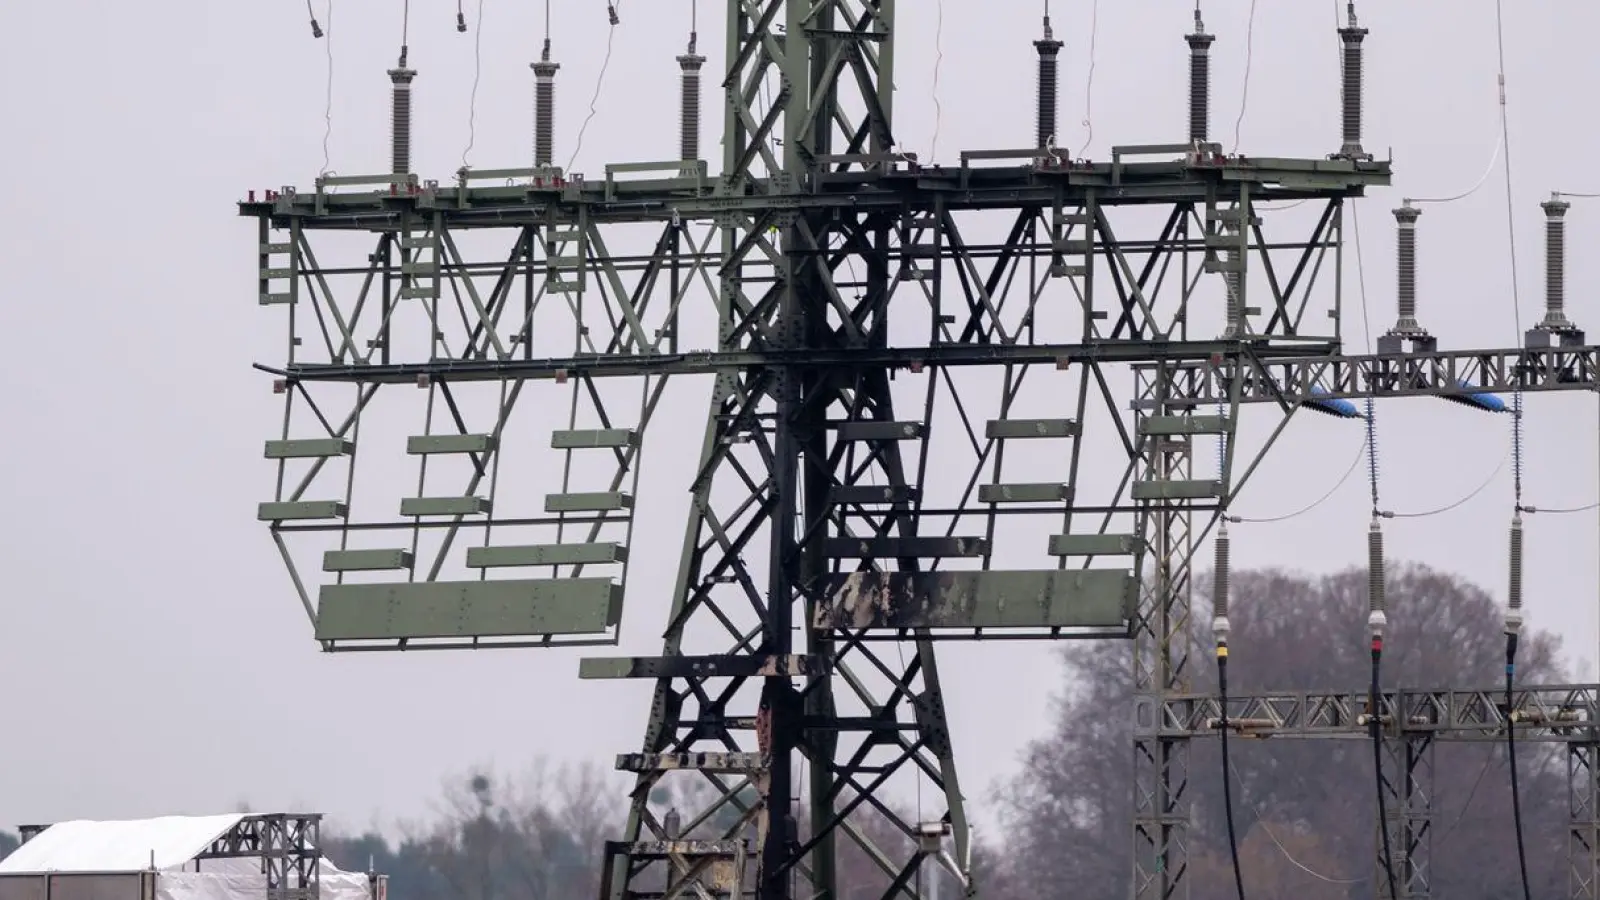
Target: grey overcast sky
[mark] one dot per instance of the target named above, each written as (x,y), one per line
(155,658)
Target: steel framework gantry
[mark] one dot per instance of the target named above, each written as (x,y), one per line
(825,530)
(1414,720)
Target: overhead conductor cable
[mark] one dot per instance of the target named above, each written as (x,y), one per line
(1219,629)
(1377,624)
(1049,84)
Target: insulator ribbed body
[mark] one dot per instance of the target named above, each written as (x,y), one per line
(1375,581)
(400,120)
(1406,265)
(1199,87)
(1555,262)
(689,108)
(1049,88)
(1351,89)
(1221,578)
(544,111)
(1514,593)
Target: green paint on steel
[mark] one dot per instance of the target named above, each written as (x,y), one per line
(468,609)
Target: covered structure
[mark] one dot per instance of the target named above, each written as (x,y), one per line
(227,857)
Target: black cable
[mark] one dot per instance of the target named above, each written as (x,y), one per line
(1511,753)
(1375,724)
(1227,770)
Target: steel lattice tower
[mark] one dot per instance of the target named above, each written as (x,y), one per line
(821,540)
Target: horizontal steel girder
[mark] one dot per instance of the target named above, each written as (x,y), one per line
(1444,373)
(710,362)
(892,184)
(1292,375)
(1561,713)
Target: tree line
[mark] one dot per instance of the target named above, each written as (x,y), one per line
(1304,809)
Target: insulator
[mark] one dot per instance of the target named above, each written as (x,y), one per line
(1221,580)
(1199,81)
(1375,589)
(1352,85)
(1406,269)
(689,104)
(1049,82)
(1514,593)
(400,120)
(544,107)
(1555,265)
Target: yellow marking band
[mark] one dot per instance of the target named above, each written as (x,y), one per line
(1222,651)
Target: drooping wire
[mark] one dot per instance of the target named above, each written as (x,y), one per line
(1362,452)
(1483,179)
(1466,807)
(1514,614)
(1355,463)
(1249,54)
(938,66)
(1377,617)
(1220,627)
(1088,84)
(405,30)
(612,9)
(1227,772)
(327,103)
(477,76)
(1560,510)
(1482,486)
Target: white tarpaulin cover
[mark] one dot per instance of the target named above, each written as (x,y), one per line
(203,885)
(168,844)
(127,846)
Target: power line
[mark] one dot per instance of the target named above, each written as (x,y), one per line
(612,12)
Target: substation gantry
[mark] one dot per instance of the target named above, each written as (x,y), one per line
(855,469)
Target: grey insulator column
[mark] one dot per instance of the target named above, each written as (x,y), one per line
(1351,87)
(1049,85)
(544,107)
(1514,594)
(689,103)
(1199,81)
(400,118)
(1406,326)
(1555,265)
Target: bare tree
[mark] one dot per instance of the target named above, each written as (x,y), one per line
(1067,812)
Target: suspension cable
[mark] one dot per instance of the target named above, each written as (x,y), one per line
(1220,628)
(1514,599)
(1377,615)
